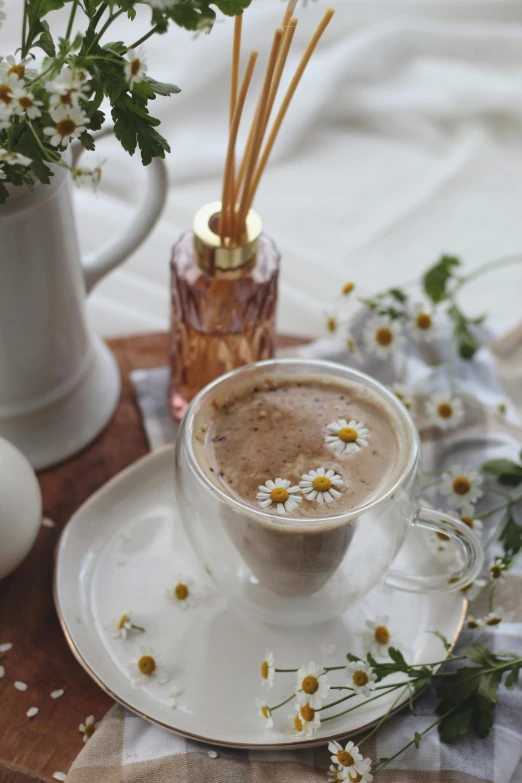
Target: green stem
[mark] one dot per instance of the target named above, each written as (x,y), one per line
(285,671)
(56,155)
(105,27)
(334,703)
(381,721)
(497,491)
(71,20)
(361,704)
(142,39)
(491,511)
(281,704)
(137,628)
(484,587)
(334,668)
(24,31)
(491,596)
(489,266)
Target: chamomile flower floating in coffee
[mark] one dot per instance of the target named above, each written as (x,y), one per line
(125,625)
(378,637)
(444,410)
(382,336)
(361,677)
(312,685)
(422,324)
(346,437)
(264,712)
(268,670)
(280,493)
(182,592)
(146,667)
(347,758)
(462,486)
(321,485)
(307,718)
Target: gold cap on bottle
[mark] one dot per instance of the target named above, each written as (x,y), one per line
(218,259)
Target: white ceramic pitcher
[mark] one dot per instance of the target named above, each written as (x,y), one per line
(59,383)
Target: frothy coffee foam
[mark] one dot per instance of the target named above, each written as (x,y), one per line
(277,428)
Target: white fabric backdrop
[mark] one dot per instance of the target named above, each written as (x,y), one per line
(405,140)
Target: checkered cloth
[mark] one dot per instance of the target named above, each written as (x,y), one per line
(127,749)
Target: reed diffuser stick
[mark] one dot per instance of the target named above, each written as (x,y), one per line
(236,55)
(280,65)
(325,21)
(244,201)
(290,8)
(227,203)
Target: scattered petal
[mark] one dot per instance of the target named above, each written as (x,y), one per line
(32,712)
(47,522)
(5,647)
(57,694)
(20,686)
(212,754)
(59,776)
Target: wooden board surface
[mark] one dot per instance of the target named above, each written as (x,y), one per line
(31,750)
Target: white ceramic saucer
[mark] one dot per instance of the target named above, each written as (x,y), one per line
(124,548)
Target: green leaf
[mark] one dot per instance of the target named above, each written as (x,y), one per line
(353,658)
(443,639)
(459,685)
(417,739)
(479,654)
(45,41)
(457,723)
(511,536)
(37,9)
(190,17)
(436,278)
(398,294)
(87,141)
(467,342)
(488,687)
(97,120)
(512,678)
(507,472)
(392,312)
(161,88)
(483,719)
(28,146)
(133,127)
(232,7)
(397,656)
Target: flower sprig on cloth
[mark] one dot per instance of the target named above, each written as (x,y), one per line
(52,91)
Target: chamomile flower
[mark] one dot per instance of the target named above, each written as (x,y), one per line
(268,670)
(264,712)
(90,178)
(352,346)
(377,637)
(6,112)
(67,89)
(279,492)
(146,667)
(405,395)
(382,336)
(334,774)
(88,728)
(498,615)
(182,591)
(136,66)
(309,718)
(8,83)
(124,626)
(70,124)
(444,411)
(347,759)
(312,685)
(25,103)
(321,485)
(14,158)
(422,324)
(474,623)
(361,677)
(10,65)
(363,774)
(497,571)
(475,524)
(346,437)
(461,485)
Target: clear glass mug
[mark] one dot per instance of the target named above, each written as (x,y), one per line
(291,571)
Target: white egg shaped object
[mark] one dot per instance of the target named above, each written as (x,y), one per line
(20,507)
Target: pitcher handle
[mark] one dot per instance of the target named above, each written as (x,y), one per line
(97,265)
(471,555)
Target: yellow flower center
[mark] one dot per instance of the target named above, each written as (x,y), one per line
(310,684)
(331,324)
(496,571)
(382,635)
(347,435)
(461,485)
(265,711)
(279,495)
(264,670)
(298,723)
(444,410)
(89,730)
(19,70)
(360,678)
(123,620)
(383,336)
(181,591)
(147,665)
(467,521)
(135,66)
(423,321)
(307,713)
(321,483)
(5,93)
(442,536)
(66,98)
(66,127)
(494,621)
(350,344)
(472,623)
(25,102)
(348,287)
(344,758)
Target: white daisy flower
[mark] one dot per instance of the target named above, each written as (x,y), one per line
(474,588)
(312,685)
(382,336)
(68,89)
(497,571)
(279,492)
(88,728)
(308,718)
(181,591)
(334,774)
(136,66)
(405,395)
(8,83)
(444,411)
(422,324)
(461,485)
(90,178)
(124,626)
(146,667)
(2,13)
(70,124)
(475,524)
(10,65)
(14,158)
(346,437)
(347,758)
(474,623)
(268,670)
(321,485)
(25,103)
(363,772)
(378,636)
(264,712)
(497,616)
(361,677)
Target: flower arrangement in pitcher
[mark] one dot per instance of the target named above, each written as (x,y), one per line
(52,88)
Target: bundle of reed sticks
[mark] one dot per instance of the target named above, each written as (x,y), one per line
(240,186)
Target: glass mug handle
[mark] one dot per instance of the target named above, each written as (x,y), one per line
(471,555)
